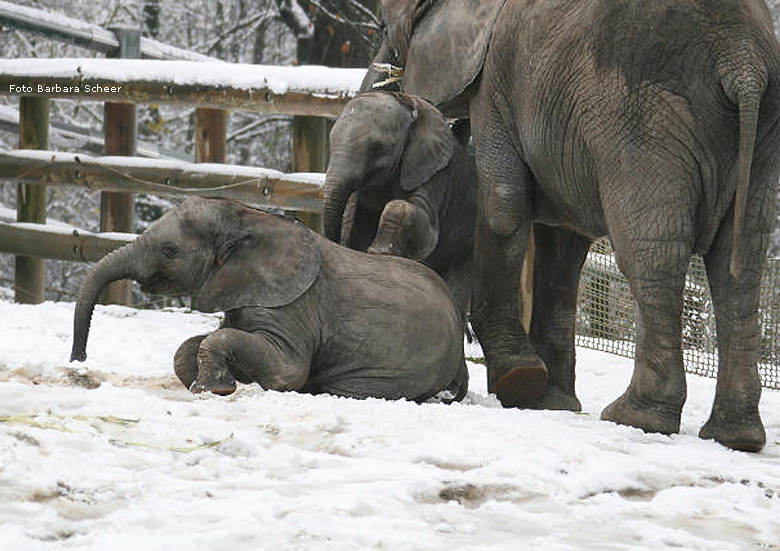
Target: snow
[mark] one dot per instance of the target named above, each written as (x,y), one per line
(311,79)
(114,454)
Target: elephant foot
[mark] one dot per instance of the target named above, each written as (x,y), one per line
(222,385)
(744,433)
(555,398)
(650,416)
(521,385)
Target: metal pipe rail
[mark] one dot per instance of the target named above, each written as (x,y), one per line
(73,137)
(92,37)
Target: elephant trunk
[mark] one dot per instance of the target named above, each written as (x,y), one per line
(340,184)
(124,263)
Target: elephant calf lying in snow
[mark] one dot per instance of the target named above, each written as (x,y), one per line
(301,313)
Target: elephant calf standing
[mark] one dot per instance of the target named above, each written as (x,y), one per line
(301,313)
(401,182)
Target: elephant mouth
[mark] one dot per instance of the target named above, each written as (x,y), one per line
(159,284)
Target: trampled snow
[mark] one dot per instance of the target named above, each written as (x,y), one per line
(114,454)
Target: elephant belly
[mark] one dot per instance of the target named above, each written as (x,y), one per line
(390,359)
(392,331)
(588,221)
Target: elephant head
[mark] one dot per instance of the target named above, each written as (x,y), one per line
(389,145)
(223,254)
(440,44)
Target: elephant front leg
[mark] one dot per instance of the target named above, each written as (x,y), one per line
(516,374)
(227,355)
(406,229)
(735,420)
(185,361)
(559,256)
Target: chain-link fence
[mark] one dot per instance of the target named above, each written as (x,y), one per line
(606,311)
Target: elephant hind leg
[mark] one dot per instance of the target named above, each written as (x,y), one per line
(559,256)
(228,354)
(655,396)
(735,421)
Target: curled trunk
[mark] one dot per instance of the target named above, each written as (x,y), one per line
(120,264)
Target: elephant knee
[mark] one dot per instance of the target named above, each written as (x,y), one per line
(505,210)
(405,229)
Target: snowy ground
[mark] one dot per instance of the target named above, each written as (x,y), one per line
(115,455)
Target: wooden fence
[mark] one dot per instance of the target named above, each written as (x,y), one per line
(121,83)
(211,87)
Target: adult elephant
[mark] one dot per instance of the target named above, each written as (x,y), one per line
(654,122)
(403,183)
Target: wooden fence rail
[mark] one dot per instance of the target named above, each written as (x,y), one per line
(300,192)
(58,243)
(315,91)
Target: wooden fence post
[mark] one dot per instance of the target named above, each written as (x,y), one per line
(210,135)
(120,127)
(30,273)
(310,154)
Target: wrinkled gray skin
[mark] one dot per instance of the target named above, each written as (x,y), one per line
(301,313)
(636,119)
(404,184)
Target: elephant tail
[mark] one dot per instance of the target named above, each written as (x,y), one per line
(748,101)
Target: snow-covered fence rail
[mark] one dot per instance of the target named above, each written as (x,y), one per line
(300,192)
(58,243)
(313,91)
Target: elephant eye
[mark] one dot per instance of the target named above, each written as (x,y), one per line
(171,251)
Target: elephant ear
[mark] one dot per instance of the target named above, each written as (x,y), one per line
(429,146)
(270,262)
(448,45)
